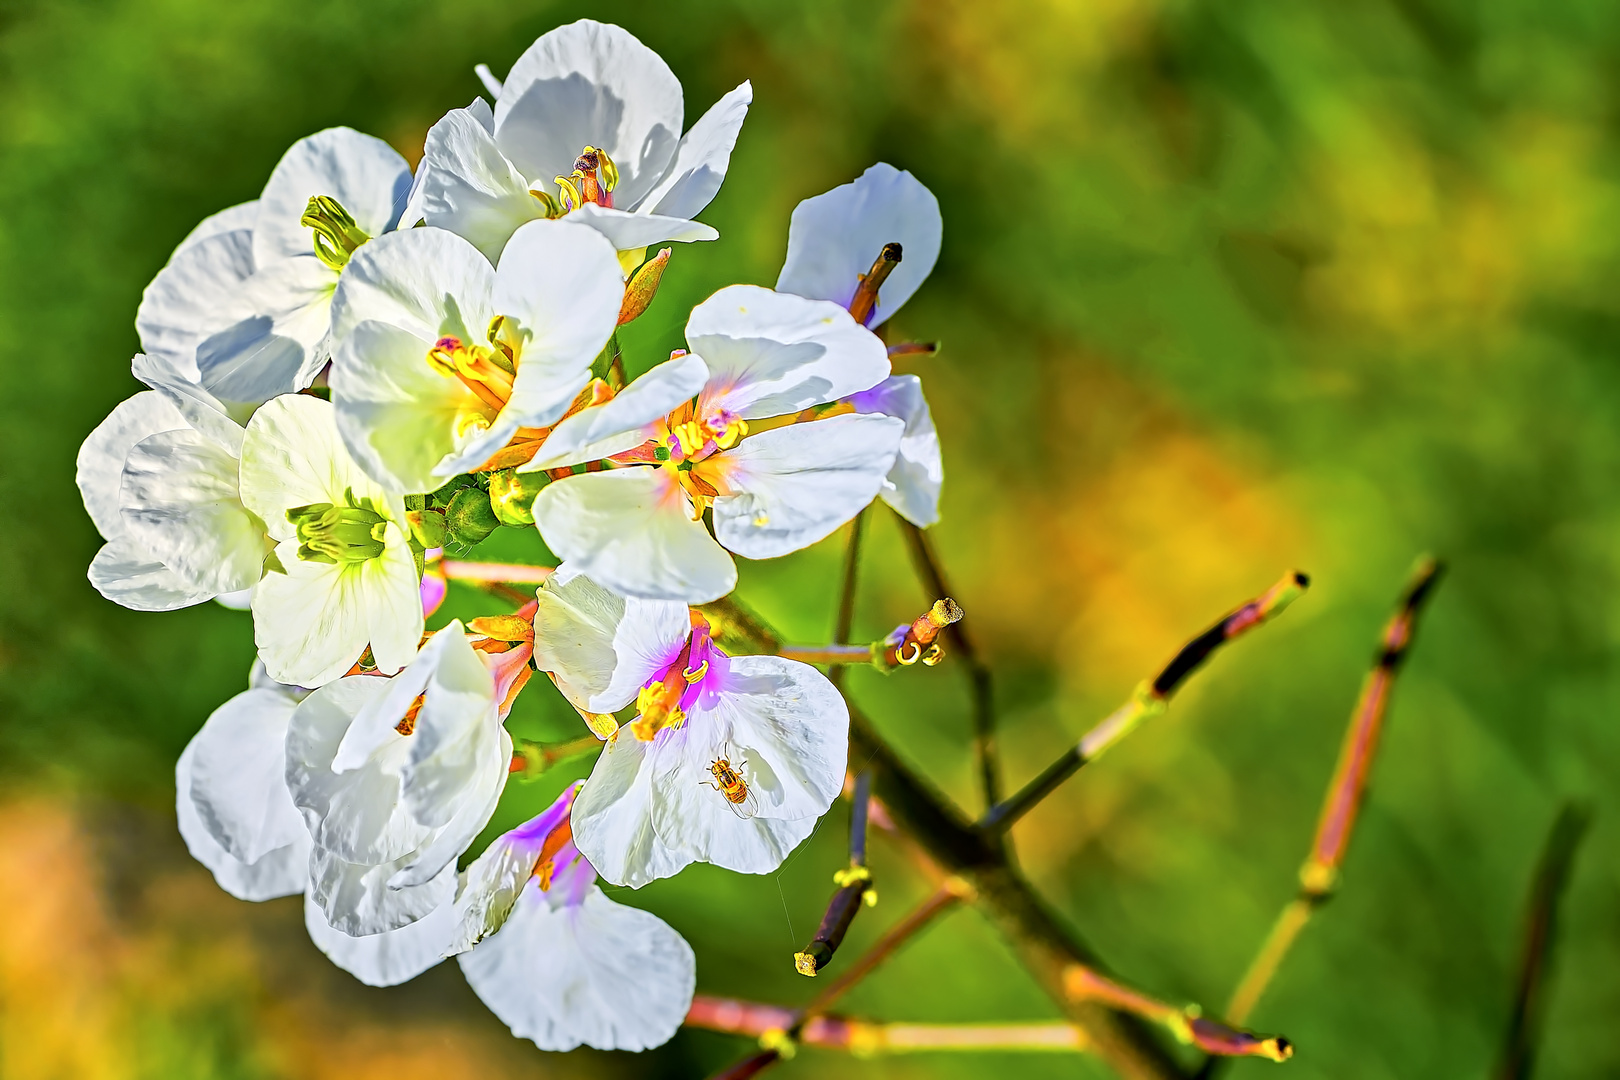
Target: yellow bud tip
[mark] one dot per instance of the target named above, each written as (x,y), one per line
(1278,1049)
(869,898)
(806,965)
(778,1040)
(945,612)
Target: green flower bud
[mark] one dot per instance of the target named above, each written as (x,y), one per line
(427,527)
(337,235)
(512,493)
(469,518)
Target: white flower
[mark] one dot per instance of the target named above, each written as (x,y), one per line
(396,776)
(347,574)
(159,479)
(440,359)
(590,113)
(564,965)
(834,239)
(242,306)
(236,814)
(756,355)
(730,760)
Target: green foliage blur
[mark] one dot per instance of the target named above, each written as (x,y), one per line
(1227,288)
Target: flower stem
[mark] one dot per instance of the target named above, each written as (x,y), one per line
(1540,935)
(832,655)
(984,717)
(1185,1023)
(865,1039)
(855,889)
(507,573)
(1319,875)
(1148,700)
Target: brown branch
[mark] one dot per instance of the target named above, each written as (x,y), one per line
(1540,937)
(984,716)
(1319,875)
(1147,701)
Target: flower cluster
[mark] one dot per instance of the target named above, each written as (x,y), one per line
(367,366)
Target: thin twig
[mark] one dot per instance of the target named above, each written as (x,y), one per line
(984,716)
(1148,700)
(950,892)
(1319,875)
(832,655)
(1186,1023)
(532,758)
(855,889)
(867,1039)
(1540,938)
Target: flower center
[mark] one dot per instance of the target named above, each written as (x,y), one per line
(666,698)
(592,181)
(692,437)
(336,234)
(339,535)
(488,371)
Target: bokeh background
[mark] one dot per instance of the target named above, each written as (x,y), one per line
(1226,288)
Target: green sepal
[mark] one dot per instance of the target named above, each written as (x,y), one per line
(512,494)
(469,519)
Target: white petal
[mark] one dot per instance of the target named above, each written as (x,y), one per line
(354,815)
(356,898)
(100,466)
(701,162)
(201,409)
(792,486)
(363,173)
(612,817)
(240,600)
(618,425)
(374,724)
(469,187)
(591,84)
(562,284)
(292,456)
(310,623)
(629,231)
(602,647)
(180,502)
(912,486)
(427,281)
(281,347)
(631,530)
(785,729)
(473,804)
(772,353)
(385,959)
(397,415)
(239,776)
(835,237)
(281,872)
(491,83)
(127,574)
(197,295)
(393,599)
(240,216)
(600,973)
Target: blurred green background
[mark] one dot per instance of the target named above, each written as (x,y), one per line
(1226,288)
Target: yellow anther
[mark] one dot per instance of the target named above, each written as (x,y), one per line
(727,435)
(570,193)
(692,436)
(805,964)
(692,675)
(934,655)
(551,206)
(916,654)
(610,171)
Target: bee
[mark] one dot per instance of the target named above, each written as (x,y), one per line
(728,781)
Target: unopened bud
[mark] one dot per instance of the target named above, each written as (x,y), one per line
(427,527)
(643,286)
(470,518)
(511,495)
(337,235)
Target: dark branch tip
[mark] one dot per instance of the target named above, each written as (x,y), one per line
(891,252)
(1302,579)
